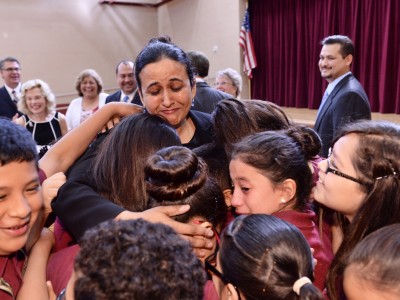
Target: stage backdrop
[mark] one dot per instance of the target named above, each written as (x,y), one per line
(287,35)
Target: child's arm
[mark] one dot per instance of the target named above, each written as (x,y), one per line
(34,281)
(63,154)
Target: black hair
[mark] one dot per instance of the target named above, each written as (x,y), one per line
(346,44)
(264,256)
(281,155)
(175,175)
(135,259)
(158,49)
(16,143)
(199,62)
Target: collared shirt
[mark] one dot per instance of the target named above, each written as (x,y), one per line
(17,90)
(121,99)
(334,83)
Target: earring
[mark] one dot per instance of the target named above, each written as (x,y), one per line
(283,200)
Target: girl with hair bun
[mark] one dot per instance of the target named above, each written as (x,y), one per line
(175,175)
(263,257)
(271,174)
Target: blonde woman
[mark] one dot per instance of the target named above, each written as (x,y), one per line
(39,114)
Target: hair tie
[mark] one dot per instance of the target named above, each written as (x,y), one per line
(299,284)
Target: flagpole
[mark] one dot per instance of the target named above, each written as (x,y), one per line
(246,43)
(248,78)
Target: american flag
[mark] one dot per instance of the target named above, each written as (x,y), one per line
(246,42)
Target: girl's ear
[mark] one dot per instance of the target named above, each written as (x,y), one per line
(228,197)
(232,292)
(288,188)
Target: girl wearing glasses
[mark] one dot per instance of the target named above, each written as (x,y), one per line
(360,181)
(271,174)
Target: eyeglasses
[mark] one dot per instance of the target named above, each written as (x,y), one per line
(12,69)
(222,83)
(337,172)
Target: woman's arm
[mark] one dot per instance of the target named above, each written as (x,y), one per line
(63,154)
(63,124)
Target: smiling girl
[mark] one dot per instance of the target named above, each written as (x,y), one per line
(360,181)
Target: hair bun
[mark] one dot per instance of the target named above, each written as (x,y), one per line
(173,173)
(307,138)
(161,39)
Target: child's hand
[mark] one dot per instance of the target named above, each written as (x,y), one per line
(50,188)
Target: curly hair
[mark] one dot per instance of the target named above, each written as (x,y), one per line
(135,259)
(46,93)
(175,175)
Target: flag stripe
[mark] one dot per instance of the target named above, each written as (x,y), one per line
(246,42)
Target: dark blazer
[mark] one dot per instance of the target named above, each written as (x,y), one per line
(116,97)
(8,108)
(346,103)
(80,207)
(207,97)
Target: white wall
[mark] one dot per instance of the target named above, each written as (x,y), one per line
(56,39)
(209,26)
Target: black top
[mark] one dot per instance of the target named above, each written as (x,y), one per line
(346,103)
(8,108)
(80,207)
(44,133)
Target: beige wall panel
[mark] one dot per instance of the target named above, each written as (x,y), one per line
(56,39)
(210,26)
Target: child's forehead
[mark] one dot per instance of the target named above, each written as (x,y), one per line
(18,172)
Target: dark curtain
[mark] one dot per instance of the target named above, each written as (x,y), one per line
(287,35)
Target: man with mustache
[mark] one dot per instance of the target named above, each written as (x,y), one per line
(344,99)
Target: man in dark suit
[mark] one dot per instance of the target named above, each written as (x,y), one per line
(11,73)
(126,81)
(344,100)
(206,97)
